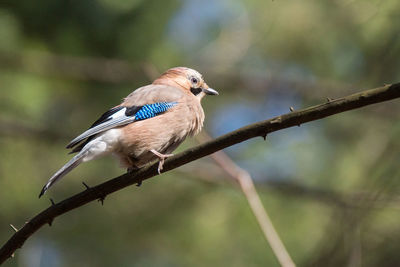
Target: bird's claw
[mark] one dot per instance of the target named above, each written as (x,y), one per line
(160,165)
(162,158)
(131,169)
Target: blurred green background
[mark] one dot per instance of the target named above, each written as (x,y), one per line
(331,187)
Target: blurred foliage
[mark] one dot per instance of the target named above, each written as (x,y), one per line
(331,187)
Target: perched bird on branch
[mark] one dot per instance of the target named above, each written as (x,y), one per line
(148,125)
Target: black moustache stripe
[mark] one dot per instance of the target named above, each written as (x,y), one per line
(195,91)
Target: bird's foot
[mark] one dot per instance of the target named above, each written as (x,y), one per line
(162,158)
(131,169)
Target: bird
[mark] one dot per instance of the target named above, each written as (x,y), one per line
(149,124)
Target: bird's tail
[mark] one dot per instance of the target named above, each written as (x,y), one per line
(74,162)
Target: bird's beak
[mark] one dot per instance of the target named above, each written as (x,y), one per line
(210,91)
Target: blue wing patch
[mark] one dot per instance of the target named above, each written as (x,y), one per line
(152,110)
(119,116)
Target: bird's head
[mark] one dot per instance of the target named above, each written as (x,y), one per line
(187,79)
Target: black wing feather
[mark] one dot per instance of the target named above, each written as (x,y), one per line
(103,118)
(106,116)
(130,111)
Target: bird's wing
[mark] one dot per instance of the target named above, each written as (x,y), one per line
(143,103)
(120,116)
(152,94)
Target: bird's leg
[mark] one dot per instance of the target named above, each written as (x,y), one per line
(162,158)
(131,169)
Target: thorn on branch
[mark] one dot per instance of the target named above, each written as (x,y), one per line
(264,136)
(139,183)
(277,120)
(87,187)
(14,228)
(329,99)
(52,202)
(50,222)
(292,109)
(101,199)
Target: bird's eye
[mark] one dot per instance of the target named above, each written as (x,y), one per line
(194,80)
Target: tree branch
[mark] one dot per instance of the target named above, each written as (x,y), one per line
(245,181)
(262,128)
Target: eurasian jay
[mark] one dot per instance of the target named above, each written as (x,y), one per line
(149,124)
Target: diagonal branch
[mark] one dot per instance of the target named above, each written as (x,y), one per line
(262,128)
(245,181)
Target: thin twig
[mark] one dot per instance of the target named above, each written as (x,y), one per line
(246,184)
(261,129)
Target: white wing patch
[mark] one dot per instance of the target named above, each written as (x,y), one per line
(117,119)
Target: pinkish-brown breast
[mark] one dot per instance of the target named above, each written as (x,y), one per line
(163,133)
